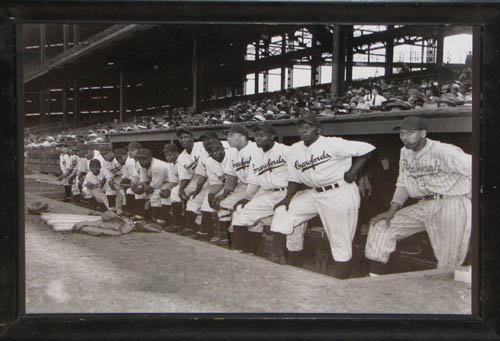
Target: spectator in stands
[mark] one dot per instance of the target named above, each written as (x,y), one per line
(374,99)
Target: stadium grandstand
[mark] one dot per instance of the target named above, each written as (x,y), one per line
(106,85)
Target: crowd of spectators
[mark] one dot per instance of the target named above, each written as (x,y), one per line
(359,98)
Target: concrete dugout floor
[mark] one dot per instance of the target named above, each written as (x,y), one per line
(163,272)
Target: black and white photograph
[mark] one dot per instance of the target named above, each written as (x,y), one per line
(248,168)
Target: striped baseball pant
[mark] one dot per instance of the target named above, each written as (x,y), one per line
(447,222)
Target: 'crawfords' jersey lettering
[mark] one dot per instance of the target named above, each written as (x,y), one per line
(192,166)
(241,165)
(417,171)
(269,165)
(313,161)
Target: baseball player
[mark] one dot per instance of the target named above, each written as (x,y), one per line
(113,171)
(153,176)
(325,166)
(215,164)
(237,171)
(67,161)
(82,169)
(130,176)
(93,186)
(189,190)
(439,176)
(171,154)
(266,186)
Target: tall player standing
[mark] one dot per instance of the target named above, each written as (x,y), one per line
(324,165)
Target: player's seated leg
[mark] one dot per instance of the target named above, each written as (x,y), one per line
(112,202)
(300,210)
(382,237)
(295,245)
(140,206)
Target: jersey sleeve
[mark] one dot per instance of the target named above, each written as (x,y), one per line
(458,162)
(158,176)
(172,175)
(201,168)
(90,178)
(228,168)
(183,173)
(347,148)
(402,180)
(293,173)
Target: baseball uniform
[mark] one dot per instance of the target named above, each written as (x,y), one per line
(98,192)
(269,171)
(321,166)
(113,172)
(239,166)
(156,175)
(440,175)
(188,165)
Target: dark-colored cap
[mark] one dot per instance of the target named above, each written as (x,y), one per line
(308,118)
(170,147)
(144,152)
(214,143)
(183,130)
(411,123)
(209,135)
(235,128)
(265,127)
(134,145)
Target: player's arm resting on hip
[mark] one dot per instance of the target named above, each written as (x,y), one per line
(293,188)
(357,166)
(200,181)
(398,199)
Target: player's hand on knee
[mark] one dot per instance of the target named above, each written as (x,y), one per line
(194,194)
(285,202)
(387,216)
(183,195)
(242,202)
(165,193)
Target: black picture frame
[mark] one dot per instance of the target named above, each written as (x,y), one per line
(484,324)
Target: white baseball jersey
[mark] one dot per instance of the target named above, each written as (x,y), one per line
(83,165)
(95,180)
(63,162)
(190,164)
(270,169)
(215,169)
(438,168)
(240,164)
(156,175)
(130,169)
(325,161)
(173,171)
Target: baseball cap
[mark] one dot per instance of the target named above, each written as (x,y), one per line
(235,128)
(170,147)
(183,130)
(308,118)
(144,152)
(209,135)
(411,123)
(265,127)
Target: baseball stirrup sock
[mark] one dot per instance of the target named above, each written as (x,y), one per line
(343,269)
(279,243)
(67,191)
(139,206)
(177,214)
(112,201)
(238,235)
(129,199)
(165,214)
(295,258)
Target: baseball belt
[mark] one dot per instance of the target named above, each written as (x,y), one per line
(326,188)
(278,189)
(431,197)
